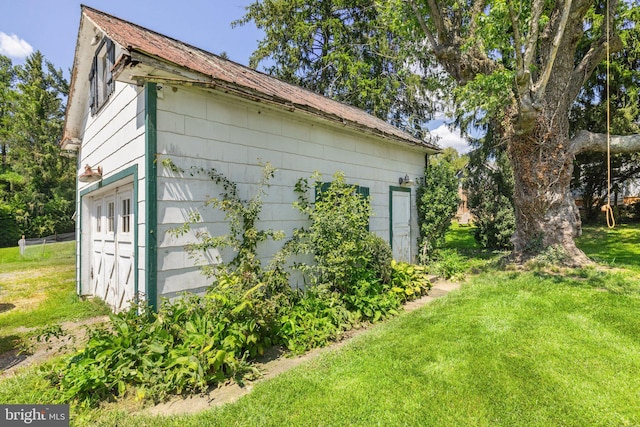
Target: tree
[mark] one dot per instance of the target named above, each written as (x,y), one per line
(42,182)
(519,68)
(7,76)
(437,202)
(342,49)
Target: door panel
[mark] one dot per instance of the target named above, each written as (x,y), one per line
(112,260)
(401,225)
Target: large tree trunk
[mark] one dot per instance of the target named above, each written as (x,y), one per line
(546,214)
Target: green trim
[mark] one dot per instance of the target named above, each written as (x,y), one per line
(130,171)
(393,188)
(151,194)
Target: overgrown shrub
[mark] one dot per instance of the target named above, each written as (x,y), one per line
(336,235)
(380,257)
(448,263)
(189,344)
(196,341)
(317,316)
(437,202)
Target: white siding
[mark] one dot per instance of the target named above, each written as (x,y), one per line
(113,139)
(204,129)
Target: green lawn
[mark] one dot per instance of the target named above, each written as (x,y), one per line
(509,348)
(38,290)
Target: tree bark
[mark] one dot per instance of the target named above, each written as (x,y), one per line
(545,211)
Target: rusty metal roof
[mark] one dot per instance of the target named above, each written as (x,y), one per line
(135,38)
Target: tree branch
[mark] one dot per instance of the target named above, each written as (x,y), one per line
(541,84)
(438,20)
(598,50)
(534,33)
(478,6)
(516,41)
(597,142)
(423,25)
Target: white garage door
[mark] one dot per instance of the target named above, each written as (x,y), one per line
(401,224)
(112,262)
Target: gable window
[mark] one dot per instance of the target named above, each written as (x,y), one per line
(101,80)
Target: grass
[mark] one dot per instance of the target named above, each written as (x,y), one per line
(38,290)
(617,247)
(533,348)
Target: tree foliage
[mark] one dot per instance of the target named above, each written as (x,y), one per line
(489,185)
(343,49)
(37,184)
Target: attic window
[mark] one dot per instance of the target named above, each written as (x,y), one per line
(101,76)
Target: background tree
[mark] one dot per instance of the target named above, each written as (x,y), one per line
(437,202)
(518,67)
(344,50)
(37,185)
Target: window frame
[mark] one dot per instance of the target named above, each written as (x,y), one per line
(101,82)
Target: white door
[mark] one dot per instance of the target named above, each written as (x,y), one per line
(401,224)
(112,263)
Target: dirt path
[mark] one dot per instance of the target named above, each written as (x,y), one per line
(75,334)
(274,366)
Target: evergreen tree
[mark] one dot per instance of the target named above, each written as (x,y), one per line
(41,189)
(437,202)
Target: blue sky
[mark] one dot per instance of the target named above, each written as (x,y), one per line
(51,26)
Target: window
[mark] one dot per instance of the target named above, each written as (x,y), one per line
(101,77)
(126,215)
(111,210)
(98,218)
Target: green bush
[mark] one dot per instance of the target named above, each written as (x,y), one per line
(317,317)
(448,263)
(336,235)
(409,281)
(380,257)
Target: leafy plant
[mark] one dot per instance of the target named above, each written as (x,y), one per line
(409,281)
(448,263)
(188,345)
(335,237)
(242,216)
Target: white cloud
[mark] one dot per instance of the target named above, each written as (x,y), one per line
(14,47)
(450,139)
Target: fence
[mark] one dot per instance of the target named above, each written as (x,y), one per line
(64,237)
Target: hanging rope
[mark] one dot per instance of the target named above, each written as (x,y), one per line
(611,221)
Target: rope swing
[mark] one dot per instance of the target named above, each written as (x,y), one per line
(608,210)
